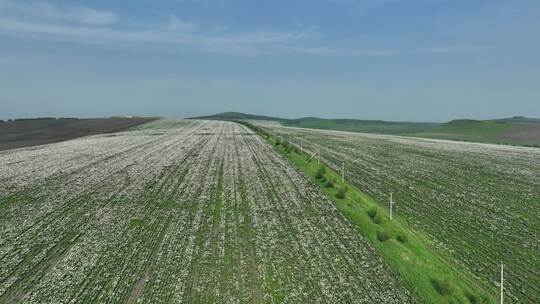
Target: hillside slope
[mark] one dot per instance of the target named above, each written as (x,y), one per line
(511,131)
(354,125)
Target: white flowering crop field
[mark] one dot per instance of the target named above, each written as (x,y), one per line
(177,211)
(478,204)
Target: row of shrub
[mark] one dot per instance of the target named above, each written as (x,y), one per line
(287,146)
(329,183)
(373,213)
(441,286)
(383,235)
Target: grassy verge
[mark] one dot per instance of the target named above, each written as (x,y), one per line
(431,277)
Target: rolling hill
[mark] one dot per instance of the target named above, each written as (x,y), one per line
(511,131)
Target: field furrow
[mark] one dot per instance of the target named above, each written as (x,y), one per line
(177,211)
(477,204)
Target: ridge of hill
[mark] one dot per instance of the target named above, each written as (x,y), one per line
(515,130)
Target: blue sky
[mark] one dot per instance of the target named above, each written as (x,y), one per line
(415,60)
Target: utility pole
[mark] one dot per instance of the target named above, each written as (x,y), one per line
(316,153)
(318,156)
(301,146)
(502,283)
(391,204)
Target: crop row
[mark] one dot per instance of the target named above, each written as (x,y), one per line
(477,203)
(177,211)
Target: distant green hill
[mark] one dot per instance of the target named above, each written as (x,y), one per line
(512,131)
(354,125)
(366,126)
(238,115)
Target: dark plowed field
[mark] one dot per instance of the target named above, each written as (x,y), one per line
(33,132)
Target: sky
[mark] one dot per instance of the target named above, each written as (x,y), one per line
(400,60)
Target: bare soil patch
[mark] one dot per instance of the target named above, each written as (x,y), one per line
(529,132)
(33,132)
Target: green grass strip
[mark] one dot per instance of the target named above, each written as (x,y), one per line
(432,277)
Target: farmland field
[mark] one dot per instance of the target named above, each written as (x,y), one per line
(478,204)
(39,131)
(177,211)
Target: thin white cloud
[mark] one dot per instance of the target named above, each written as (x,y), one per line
(42,20)
(326,51)
(441,50)
(266,41)
(176,24)
(43,10)
(366,3)
(245,42)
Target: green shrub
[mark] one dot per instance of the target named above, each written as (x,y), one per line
(402,238)
(320,173)
(329,184)
(341,193)
(473,299)
(377,219)
(442,286)
(382,236)
(372,212)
